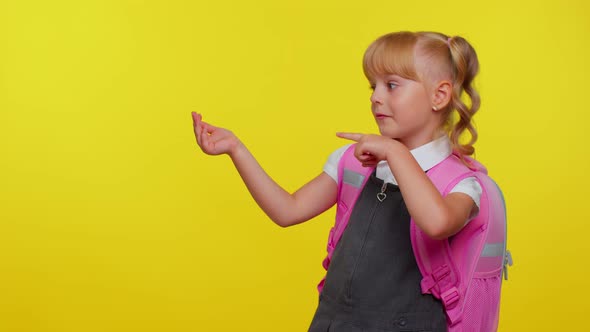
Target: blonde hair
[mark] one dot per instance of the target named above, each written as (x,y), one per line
(443,57)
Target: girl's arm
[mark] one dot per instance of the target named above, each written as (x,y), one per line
(439,217)
(283,208)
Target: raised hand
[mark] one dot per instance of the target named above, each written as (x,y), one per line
(283,208)
(213,140)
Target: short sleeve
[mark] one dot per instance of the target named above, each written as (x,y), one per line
(471,187)
(331,166)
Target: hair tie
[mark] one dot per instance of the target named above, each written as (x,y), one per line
(449,41)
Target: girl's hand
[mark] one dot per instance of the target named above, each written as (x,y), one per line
(284,208)
(214,140)
(370,149)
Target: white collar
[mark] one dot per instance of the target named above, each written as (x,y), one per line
(427,156)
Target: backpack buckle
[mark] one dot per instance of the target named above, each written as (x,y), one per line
(441,273)
(330,246)
(507,262)
(434,278)
(450,297)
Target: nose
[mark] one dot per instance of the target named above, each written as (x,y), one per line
(375,98)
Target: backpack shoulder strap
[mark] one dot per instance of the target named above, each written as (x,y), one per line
(352,177)
(441,275)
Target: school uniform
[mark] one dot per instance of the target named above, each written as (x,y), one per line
(373,281)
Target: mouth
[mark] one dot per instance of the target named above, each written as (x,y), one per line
(379,116)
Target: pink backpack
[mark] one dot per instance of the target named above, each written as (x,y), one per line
(463,271)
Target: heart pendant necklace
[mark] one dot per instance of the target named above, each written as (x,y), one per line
(381,196)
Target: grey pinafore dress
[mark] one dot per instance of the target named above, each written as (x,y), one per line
(373,282)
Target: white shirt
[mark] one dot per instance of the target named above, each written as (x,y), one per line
(427,156)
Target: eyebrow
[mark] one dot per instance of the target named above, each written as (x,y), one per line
(394,76)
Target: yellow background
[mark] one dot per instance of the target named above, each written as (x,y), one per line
(112,220)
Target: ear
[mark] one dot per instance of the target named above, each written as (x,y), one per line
(442,95)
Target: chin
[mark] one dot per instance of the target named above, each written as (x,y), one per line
(388,134)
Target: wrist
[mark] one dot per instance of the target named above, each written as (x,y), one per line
(237,149)
(395,147)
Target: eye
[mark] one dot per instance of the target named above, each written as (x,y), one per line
(392,85)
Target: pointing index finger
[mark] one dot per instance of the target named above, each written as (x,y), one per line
(351,136)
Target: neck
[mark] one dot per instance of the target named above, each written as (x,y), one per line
(419,140)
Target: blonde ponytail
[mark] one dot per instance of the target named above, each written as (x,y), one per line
(465,67)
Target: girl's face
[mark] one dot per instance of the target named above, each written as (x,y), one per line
(403,110)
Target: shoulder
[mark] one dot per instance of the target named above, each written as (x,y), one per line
(471,187)
(331,165)
(469,184)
